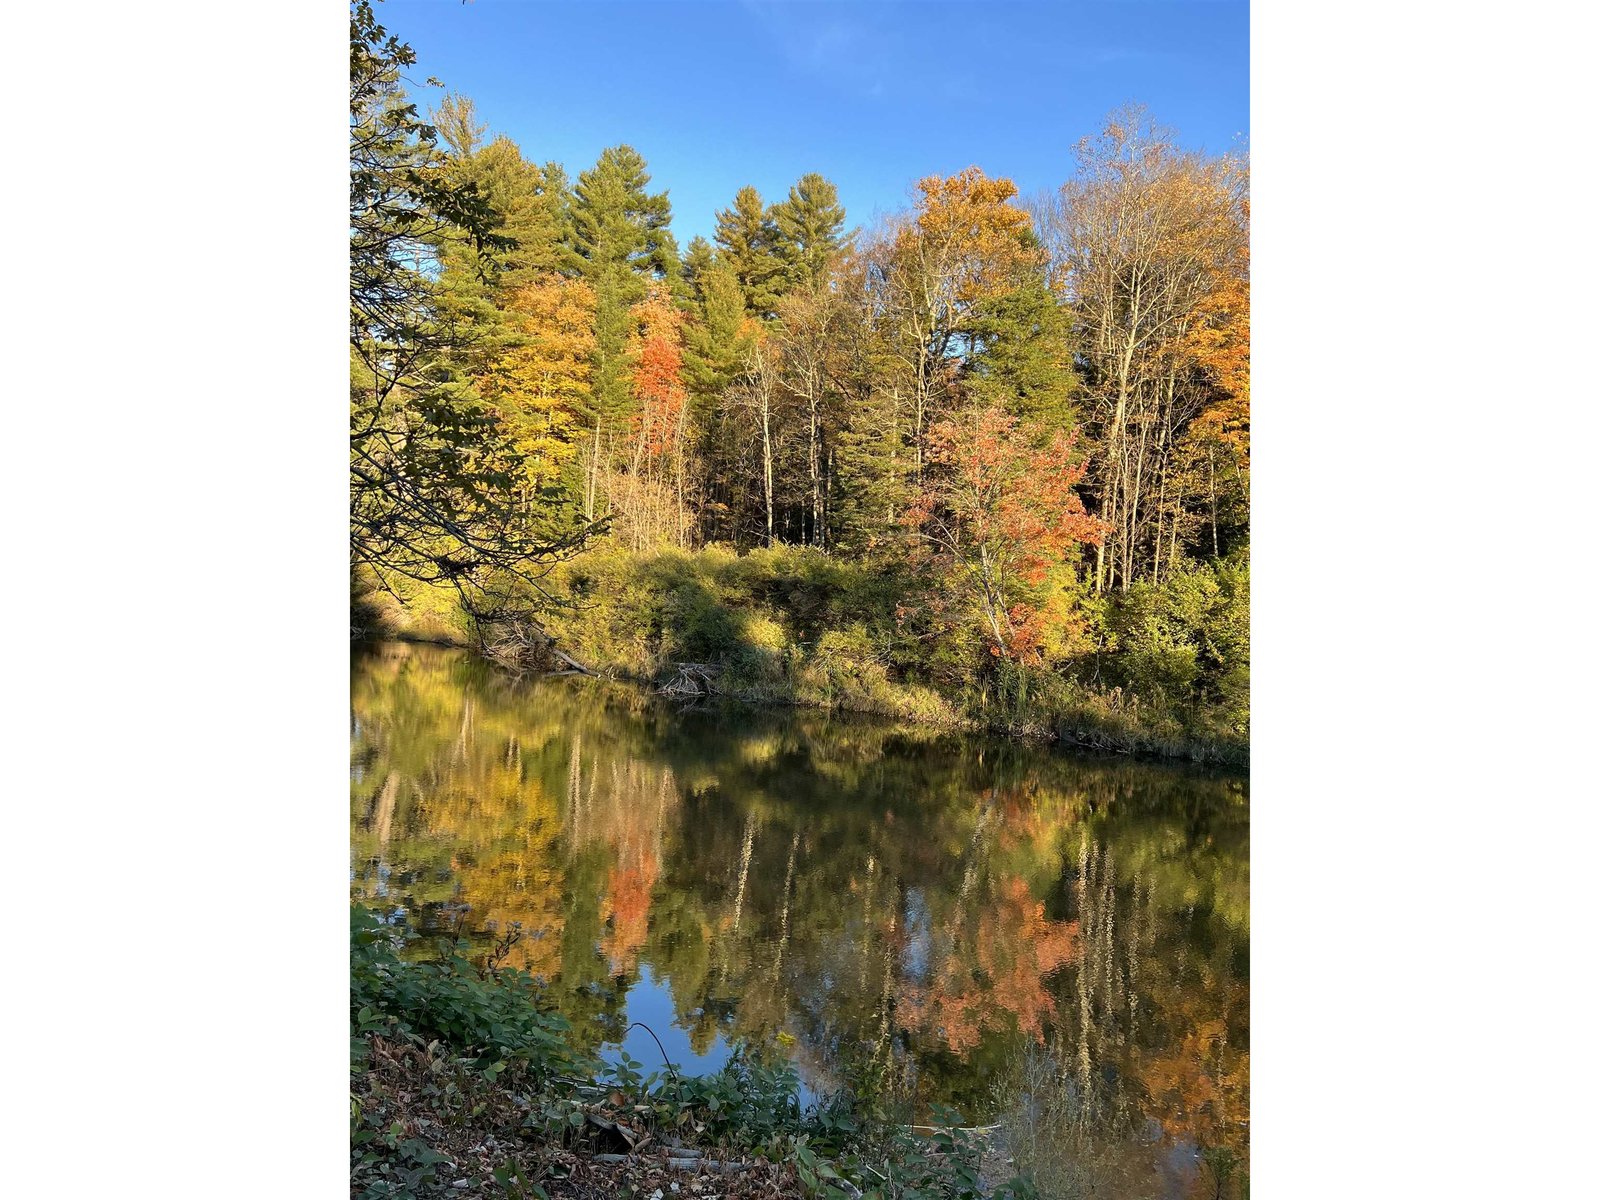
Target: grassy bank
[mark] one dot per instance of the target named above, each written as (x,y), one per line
(1157,671)
(463,1084)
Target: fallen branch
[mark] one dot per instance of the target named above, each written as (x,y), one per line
(692,680)
(520,642)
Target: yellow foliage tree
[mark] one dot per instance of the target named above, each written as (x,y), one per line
(967,243)
(540,384)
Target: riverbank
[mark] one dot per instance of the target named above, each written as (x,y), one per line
(1163,673)
(463,1084)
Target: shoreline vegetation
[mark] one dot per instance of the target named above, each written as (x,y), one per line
(793,627)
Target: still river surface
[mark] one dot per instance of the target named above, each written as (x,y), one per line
(957,914)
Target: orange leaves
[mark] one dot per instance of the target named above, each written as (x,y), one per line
(998,976)
(967,232)
(1221,348)
(657,385)
(998,513)
(554,318)
(655,317)
(657,373)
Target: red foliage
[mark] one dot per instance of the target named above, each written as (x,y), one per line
(999,511)
(657,383)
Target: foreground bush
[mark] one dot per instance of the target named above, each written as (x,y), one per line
(461,1081)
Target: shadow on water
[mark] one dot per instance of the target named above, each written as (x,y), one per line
(952,919)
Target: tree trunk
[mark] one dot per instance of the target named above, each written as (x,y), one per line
(594,470)
(815,463)
(766,457)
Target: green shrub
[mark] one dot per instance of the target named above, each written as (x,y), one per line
(1187,641)
(491,1014)
(468,1057)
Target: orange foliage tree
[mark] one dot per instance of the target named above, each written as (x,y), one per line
(650,494)
(969,240)
(967,243)
(658,386)
(999,511)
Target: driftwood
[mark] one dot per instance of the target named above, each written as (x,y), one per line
(692,680)
(521,644)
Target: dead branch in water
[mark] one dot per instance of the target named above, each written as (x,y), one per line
(692,680)
(520,643)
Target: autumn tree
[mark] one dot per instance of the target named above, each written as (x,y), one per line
(1212,460)
(432,470)
(947,303)
(1154,242)
(622,242)
(966,244)
(539,385)
(998,513)
(649,491)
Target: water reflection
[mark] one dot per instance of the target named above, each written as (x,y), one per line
(950,915)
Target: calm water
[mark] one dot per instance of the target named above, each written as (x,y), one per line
(949,913)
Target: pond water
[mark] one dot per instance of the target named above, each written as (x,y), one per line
(962,917)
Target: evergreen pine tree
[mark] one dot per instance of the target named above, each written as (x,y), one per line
(697,260)
(621,241)
(716,340)
(748,239)
(531,213)
(1020,356)
(810,230)
(716,344)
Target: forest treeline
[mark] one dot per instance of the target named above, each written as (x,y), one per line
(984,459)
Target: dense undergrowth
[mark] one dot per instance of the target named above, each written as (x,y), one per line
(1158,669)
(463,1083)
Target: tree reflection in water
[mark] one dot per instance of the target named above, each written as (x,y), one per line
(974,922)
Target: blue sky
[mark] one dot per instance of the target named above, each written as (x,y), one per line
(720,93)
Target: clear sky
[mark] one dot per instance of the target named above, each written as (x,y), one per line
(720,93)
